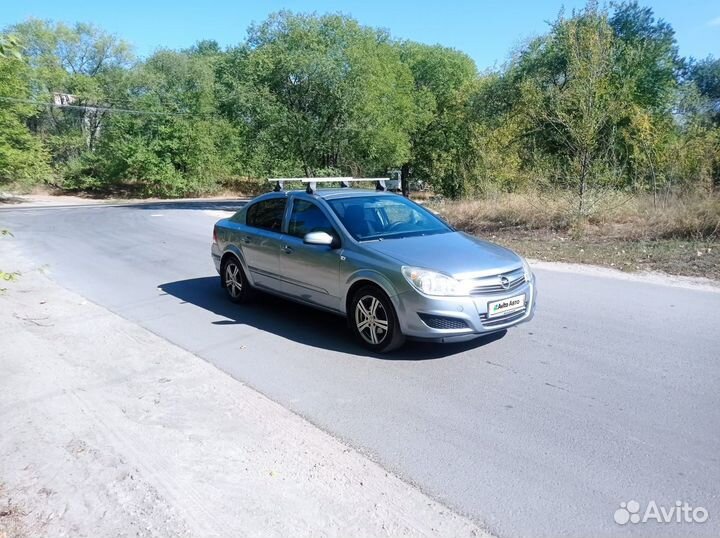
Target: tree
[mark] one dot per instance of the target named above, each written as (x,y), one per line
(84,64)
(10,47)
(648,58)
(23,159)
(440,140)
(705,74)
(319,95)
(83,49)
(172,144)
(649,64)
(603,100)
(574,114)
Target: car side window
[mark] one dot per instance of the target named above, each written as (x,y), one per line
(267,214)
(307,217)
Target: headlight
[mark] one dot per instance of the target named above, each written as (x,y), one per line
(527,270)
(433,283)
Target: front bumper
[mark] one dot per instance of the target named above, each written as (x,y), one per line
(468,314)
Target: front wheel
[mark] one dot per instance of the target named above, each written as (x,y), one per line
(374,321)
(234,281)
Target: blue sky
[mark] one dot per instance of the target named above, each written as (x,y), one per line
(486,30)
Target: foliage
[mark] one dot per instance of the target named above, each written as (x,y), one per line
(705,75)
(574,115)
(23,158)
(172,146)
(593,106)
(318,95)
(441,140)
(647,56)
(601,103)
(10,47)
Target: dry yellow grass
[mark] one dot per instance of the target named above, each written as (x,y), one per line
(695,217)
(505,211)
(616,216)
(676,236)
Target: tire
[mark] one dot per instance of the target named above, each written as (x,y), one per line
(234,281)
(373,320)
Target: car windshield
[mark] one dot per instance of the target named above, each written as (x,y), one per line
(383,217)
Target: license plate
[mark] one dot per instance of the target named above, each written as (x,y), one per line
(505,306)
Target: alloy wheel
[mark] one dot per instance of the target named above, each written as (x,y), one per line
(371,319)
(233,280)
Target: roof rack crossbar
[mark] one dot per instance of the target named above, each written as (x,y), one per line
(312,182)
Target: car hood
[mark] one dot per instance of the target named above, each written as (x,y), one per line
(457,254)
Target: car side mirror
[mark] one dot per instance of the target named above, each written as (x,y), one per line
(320,238)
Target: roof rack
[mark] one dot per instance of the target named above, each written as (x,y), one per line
(313,181)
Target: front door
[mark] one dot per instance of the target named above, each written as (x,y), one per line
(310,272)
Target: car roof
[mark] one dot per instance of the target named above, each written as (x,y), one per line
(328,194)
(325,194)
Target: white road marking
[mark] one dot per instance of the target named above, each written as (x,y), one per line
(218,213)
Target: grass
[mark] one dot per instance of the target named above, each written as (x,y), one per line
(5,276)
(677,235)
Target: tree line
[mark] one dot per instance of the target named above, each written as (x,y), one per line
(601,101)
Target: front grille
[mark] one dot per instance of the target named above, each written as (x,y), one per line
(443,322)
(502,320)
(493,284)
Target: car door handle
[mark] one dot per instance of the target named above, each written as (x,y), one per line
(286,249)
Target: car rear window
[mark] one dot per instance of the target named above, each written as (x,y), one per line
(266,214)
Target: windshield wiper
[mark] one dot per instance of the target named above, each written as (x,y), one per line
(400,235)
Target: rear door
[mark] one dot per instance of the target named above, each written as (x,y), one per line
(311,272)
(261,240)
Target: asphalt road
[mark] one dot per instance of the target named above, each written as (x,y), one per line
(612,392)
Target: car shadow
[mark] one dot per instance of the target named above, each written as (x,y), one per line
(302,323)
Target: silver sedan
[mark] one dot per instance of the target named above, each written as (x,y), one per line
(392,267)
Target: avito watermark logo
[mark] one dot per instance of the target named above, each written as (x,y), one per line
(680,512)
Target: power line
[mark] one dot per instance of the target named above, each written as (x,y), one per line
(113,102)
(106,109)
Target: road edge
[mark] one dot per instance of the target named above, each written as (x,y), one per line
(645,277)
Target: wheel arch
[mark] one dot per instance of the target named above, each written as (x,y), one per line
(369,279)
(233,252)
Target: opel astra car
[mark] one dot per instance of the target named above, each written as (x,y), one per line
(392,267)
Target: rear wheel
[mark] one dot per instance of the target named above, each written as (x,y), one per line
(234,281)
(374,321)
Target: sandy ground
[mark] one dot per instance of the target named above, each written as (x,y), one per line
(41,200)
(109,430)
(11,201)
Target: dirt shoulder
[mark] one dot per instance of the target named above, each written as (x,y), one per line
(109,430)
(669,256)
(13,201)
